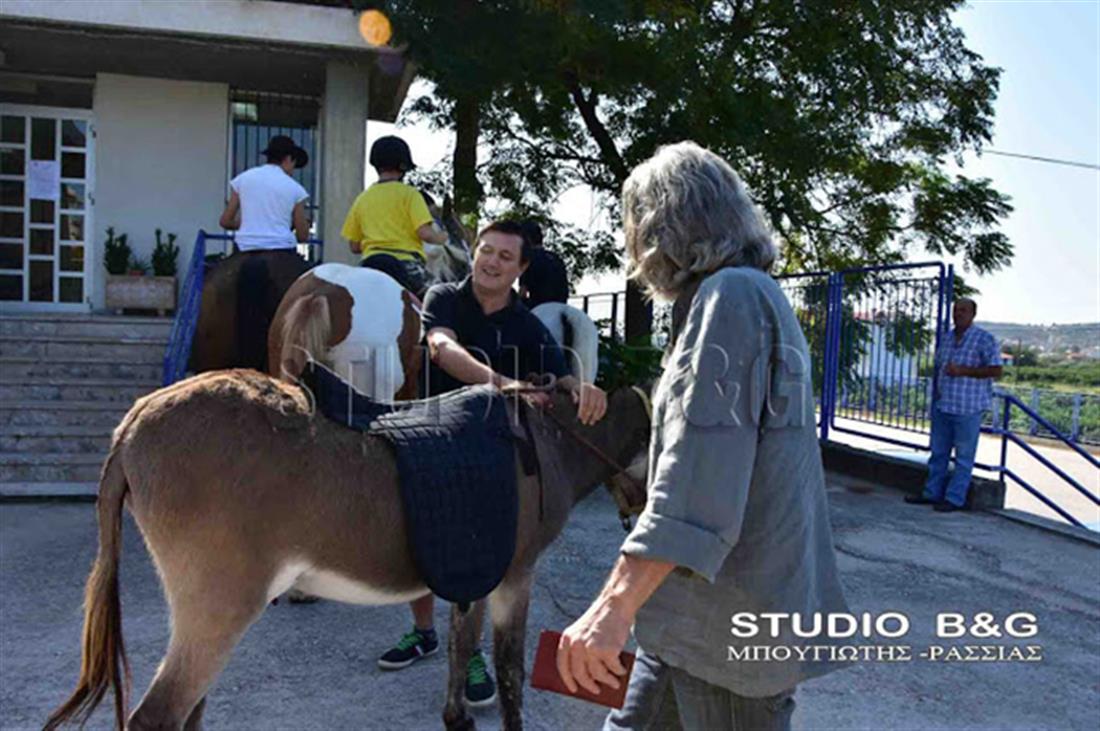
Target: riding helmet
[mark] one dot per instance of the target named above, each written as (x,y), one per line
(391,153)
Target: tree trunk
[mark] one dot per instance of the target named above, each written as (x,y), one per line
(467,190)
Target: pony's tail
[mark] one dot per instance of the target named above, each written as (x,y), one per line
(103,662)
(306,330)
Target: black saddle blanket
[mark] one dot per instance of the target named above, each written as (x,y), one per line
(456,460)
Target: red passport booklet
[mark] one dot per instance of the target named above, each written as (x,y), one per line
(545,675)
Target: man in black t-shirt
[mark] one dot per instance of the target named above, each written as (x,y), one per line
(545,279)
(478,331)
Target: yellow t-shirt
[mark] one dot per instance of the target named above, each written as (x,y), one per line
(384,219)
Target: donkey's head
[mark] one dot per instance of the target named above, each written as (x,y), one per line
(612,451)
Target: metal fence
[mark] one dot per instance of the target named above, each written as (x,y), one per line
(1076,415)
(178,351)
(607,310)
(872,334)
(259,116)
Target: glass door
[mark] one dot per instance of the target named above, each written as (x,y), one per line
(45,207)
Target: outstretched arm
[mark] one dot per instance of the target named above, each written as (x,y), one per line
(452,357)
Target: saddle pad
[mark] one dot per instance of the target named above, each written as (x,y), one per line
(456,462)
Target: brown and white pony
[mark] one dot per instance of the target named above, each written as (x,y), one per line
(316,506)
(220,334)
(359,322)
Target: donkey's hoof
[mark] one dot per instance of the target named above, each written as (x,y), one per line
(294,596)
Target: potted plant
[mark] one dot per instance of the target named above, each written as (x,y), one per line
(128,286)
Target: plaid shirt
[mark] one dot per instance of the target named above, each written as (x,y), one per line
(961,394)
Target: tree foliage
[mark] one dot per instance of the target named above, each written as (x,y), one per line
(842,117)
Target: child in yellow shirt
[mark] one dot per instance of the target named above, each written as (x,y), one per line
(389,221)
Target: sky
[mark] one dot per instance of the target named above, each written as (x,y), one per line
(1048,106)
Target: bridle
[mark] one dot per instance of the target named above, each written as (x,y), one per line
(627,509)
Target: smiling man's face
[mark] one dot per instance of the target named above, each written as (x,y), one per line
(497,261)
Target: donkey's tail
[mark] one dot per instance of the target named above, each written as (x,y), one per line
(103,662)
(305,335)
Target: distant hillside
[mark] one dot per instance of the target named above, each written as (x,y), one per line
(1083,338)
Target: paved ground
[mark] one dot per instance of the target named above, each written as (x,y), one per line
(312,667)
(1019,461)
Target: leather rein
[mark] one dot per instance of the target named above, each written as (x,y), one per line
(626,508)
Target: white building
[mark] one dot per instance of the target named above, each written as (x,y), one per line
(134,114)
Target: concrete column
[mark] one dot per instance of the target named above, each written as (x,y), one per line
(343,151)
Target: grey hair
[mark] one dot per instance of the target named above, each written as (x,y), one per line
(686,214)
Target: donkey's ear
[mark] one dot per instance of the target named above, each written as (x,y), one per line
(448,206)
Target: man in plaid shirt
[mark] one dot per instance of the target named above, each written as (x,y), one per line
(967,361)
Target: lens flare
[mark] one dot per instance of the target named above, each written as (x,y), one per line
(375,28)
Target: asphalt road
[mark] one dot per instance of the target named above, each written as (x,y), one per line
(312,667)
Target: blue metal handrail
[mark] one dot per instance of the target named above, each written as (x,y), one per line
(178,351)
(1007,436)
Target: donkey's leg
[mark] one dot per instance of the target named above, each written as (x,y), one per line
(508,605)
(201,643)
(463,638)
(196,654)
(194,721)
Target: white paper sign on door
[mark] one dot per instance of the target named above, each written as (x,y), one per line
(44,180)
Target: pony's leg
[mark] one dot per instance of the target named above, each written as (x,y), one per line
(194,721)
(508,605)
(201,644)
(463,638)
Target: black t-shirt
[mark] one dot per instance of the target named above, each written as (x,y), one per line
(545,278)
(511,341)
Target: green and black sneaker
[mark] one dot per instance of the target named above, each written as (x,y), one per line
(413,646)
(480,688)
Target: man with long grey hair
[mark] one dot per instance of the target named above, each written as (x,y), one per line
(737,521)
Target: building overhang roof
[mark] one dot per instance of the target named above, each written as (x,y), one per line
(259,45)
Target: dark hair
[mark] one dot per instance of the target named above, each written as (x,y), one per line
(512,228)
(969,301)
(281,147)
(532,231)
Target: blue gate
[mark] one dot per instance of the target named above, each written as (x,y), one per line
(873,333)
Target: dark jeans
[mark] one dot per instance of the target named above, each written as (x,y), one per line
(409,273)
(662,698)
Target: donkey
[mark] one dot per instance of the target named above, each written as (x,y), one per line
(271,495)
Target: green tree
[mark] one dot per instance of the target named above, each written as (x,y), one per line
(841,117)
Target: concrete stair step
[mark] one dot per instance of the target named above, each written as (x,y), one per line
(45,347)
(92,368)
(22,490)
(51,439)
(56,467)
(61,413)
(74,389)
(104,326)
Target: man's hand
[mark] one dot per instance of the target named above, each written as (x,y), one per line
(538,399)
(356,247)
(955,370)
(588,652)
(591,403)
